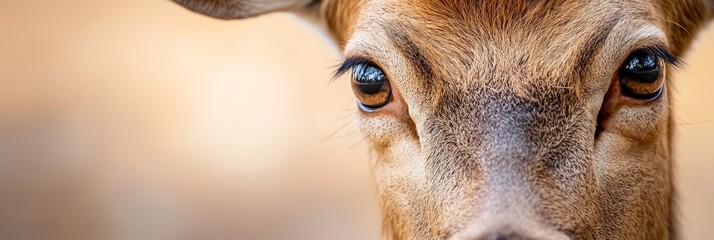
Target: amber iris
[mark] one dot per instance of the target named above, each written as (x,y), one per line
(370,86)
(641,76)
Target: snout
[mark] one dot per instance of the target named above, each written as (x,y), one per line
(506,236)
(517,236)
(524,231)
(513,236)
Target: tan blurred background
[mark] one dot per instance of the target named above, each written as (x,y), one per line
(138,120)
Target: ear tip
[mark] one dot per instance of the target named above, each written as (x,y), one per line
(226,10)
(239,9)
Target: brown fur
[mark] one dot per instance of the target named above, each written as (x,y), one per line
(506,121)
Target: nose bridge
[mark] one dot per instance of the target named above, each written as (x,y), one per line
(507,151)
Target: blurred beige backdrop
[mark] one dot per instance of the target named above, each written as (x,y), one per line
(138,120)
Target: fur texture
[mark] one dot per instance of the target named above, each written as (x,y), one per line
(507,119)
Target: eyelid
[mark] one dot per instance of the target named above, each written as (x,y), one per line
(349,63)
(664,54)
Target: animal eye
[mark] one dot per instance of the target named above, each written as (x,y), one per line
(371,86)
(641,76)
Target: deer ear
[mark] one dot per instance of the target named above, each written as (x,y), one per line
(238,9)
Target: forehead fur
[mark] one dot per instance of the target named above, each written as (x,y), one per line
(462,42)
(680,18)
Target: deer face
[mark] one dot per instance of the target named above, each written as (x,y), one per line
(511,119)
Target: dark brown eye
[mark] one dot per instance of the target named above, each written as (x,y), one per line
(371,86)
(641,76)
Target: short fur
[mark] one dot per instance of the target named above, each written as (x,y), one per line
(506,119)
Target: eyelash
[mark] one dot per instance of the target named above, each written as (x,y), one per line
(658,51)
(664,54)
(348,64)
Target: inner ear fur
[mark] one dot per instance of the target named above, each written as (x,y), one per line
(239,9)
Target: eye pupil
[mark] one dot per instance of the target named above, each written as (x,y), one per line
(642,66)
(370,85)
(640,76)
(370,88)
(641,62)
(369,79)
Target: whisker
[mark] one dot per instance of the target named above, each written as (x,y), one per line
(354,145)
(697,123)
(329,137)
(350,114)
(680,26)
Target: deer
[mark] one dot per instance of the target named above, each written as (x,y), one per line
(514,119)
